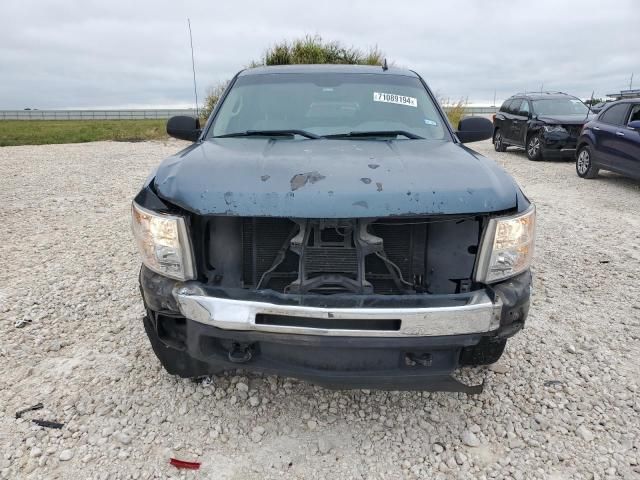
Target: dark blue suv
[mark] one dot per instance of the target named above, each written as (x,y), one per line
(611,141)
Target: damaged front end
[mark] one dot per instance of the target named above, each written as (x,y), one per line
(349,303)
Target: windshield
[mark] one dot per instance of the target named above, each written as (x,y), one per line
(329,104)
(560,106)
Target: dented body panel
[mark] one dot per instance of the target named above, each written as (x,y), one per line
(333,179)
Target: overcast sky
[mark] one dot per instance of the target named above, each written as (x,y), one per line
(135,53)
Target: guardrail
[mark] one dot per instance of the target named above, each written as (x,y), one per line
(93,114)
(479,110)
(140,114)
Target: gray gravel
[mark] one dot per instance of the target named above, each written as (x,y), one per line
(561,404)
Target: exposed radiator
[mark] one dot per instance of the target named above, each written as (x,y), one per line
(429,255)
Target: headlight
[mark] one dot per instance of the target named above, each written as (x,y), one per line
(507,247)
(554,128)
(163,243)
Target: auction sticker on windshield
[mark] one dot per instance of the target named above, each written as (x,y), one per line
(393,98)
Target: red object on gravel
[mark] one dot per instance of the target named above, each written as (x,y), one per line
(184,464)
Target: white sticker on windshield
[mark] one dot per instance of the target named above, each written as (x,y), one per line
(393,98)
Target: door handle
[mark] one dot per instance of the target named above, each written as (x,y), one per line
(596,128)
(620,134)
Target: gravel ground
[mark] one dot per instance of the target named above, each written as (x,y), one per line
(561,404)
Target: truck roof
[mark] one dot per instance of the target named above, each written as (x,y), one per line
(542,95)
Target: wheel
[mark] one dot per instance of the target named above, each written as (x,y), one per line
(534,148)
(498,142)
(486,352)
(584,166)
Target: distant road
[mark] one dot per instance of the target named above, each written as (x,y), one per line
(137,114)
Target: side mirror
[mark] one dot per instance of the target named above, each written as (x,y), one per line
(184,127)
(635,125)
(474,129)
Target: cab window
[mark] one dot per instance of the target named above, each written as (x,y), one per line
(514,108)
(635,114)
(329,104)
(615,114)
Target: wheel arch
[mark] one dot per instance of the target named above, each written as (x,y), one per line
(531,131)
(582,143)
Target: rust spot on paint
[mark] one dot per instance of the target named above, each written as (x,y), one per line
(301,179)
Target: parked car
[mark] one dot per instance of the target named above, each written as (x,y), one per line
(328,224)
(597,108)
(611,141)
(545,124)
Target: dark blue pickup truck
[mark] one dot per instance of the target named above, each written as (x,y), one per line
(328,223)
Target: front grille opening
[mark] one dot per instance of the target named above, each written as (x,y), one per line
(262,238)
(328,323)
(432,255)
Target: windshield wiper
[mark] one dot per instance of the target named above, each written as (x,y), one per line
(380,133)
(269,133)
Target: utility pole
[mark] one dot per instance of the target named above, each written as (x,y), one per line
(631,82)
(193,67)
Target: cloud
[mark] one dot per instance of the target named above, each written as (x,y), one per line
(63,54)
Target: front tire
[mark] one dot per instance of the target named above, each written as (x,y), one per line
(534,148)
(584,163)
(498,142)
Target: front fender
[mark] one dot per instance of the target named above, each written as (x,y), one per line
(535,127)
(588,138)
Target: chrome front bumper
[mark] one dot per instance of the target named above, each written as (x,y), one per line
(476,313)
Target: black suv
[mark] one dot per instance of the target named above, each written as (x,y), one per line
(545,124)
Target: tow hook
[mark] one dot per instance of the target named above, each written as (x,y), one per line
(240,353)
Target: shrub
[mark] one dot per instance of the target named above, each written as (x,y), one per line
(454,110)
(213,95)
(594,101)
(313,50)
